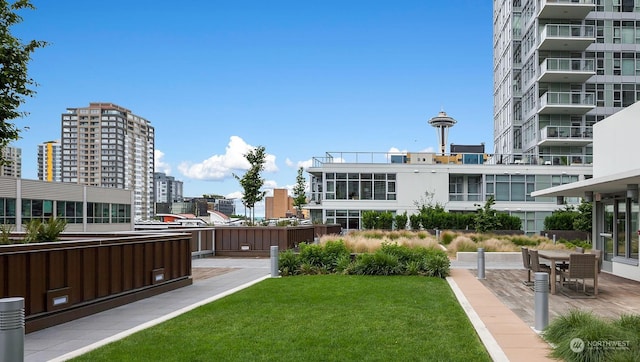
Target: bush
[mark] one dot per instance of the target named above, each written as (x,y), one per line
(590,328)
(39,232)
(369,219)
(384,220)
(414,222)
(446,237)
(401,221)
(378,263)
(289,263)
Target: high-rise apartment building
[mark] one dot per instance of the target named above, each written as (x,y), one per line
(12,166)
(107,145)
(50,161)
(167,188)
(559,67)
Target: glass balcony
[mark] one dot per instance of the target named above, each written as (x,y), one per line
(566,136)
(565,9)
(566,70)
(566,37)
(567,103)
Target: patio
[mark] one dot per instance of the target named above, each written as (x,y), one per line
(616,295)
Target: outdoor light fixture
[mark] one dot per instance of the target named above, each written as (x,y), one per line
(632,192)
(588,196)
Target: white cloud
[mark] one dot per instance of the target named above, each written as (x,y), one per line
(159,165)
(428,149)
(288,162)
(234,195)
(305,164)
(220,167)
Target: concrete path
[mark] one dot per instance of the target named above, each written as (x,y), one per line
(506,337)
(74,338)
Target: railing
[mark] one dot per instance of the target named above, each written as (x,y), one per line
(567,65)
(567,99)
(568,31)
(575,132)
(489,159)
(585,2)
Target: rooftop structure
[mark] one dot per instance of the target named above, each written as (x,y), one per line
(442,123)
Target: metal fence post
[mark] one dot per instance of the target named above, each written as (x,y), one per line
(480,263)
(541,289)
(12,329)
(274,261)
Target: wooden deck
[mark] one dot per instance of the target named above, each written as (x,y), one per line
(616,295)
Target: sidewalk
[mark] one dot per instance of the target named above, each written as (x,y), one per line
(504,334)
(71,339)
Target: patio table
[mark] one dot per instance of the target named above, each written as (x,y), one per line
(555,256)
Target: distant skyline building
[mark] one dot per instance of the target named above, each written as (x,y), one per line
(50,161)
(107,145)
(167,188)
(13,164)
(279,205)
(560,67)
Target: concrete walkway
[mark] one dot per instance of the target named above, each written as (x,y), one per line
(506,337)
(74,338)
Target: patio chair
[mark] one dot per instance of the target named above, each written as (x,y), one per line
(581,267)
(598,253)
(536,266)
(527,265)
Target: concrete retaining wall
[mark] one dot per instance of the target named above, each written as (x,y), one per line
(491,257)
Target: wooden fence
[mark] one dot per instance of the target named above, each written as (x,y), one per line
(66,280)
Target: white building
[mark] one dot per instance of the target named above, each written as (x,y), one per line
(344,184)
(13,162)
(614,190)
(560,67)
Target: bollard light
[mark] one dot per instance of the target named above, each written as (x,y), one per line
(541,295)
(480,263)
(12,329)
(274,262)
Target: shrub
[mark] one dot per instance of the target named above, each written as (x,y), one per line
(332,253)
(384,220)
(289,263)
(438,265)
(5,233)
(311,254)
(401,221)
(446,237)
(414,222)
(369,219)
(378,263)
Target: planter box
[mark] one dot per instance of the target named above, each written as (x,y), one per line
(491,257)
(257,240)
(66,280)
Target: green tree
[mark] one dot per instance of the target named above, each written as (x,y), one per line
(15,84)
(299,197)
(583,221)
(486,218)
(252,180)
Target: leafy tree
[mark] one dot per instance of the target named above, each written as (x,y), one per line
(486,218)
(401,220)
(583,221)
(15,83)
(369,219)
(299,197)
(384,220)
(252,180)
(561,219)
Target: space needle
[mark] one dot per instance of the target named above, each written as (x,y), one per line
(442,122)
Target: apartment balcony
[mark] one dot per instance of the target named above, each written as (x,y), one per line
(566,37)
(576,103)
(565,9)
(566,70)
(566,136)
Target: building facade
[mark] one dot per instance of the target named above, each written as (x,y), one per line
(50,161)
(614,192)
(13,162)
(559,68)
(343,187)
(167,188)
(107,145)
(84,208)
(280,205)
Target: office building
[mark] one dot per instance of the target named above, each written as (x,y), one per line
(12,167)
(107,145)
(167,188)
(280,205)
(50,161)
(559,68)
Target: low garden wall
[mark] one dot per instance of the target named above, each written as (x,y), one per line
(490,257)
(257,240)
(566,234)
(65,280)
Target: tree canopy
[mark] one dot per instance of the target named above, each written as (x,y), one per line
(252,180)
(15,84)
(299,197)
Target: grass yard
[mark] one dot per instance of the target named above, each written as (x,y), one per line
(314,318)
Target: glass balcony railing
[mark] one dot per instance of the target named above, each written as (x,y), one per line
(568,99)
(567,65)
(568,31)
(573,132)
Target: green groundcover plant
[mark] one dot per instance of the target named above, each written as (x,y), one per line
(314,318)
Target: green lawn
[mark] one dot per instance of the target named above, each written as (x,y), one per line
(314,318)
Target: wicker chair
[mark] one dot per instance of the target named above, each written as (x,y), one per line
(598,253)
(527,265)
(581,266)
(536,266)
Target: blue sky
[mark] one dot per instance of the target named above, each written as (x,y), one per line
(297,77)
